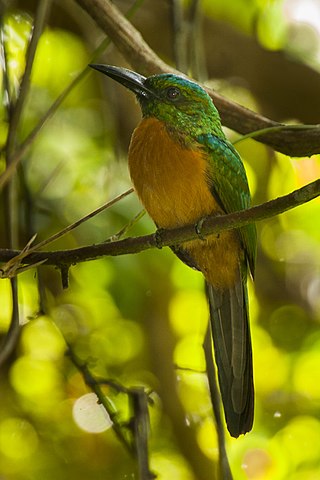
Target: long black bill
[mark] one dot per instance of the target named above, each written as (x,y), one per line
(132,80)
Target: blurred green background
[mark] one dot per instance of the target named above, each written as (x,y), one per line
(131,317)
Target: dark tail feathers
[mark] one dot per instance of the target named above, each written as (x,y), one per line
(233,354)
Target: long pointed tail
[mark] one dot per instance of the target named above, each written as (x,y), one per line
(233,354)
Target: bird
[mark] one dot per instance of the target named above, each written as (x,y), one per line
(184,169)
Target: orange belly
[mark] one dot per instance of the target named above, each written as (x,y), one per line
(170,181)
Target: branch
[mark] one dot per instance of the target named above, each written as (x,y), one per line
(224,466)
(95,386)
(290,140)
(10,340)
(140,428)
(133,435)
(211,225)
(20,151)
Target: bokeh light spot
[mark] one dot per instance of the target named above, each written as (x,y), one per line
(270,365)
(6,304)
(117,342)
(207,439)
(18,439)
(189,353)
(167,465)
(33,377)
(304,378)
(189,312)
(41,339)
(89,415)
(300,439)
(288,326)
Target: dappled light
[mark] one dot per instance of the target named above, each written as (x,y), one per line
(139,320)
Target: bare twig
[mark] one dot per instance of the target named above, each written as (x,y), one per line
(127,39)
(18,154)
(9,342)
(140,428)
(174,236)
(291,141)
(179,36)
(40,17)
(13,266)
(196,45)
(133,435)
(127,227)
(95,386)
(225,471)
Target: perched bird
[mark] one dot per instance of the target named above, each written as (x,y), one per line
(183,169)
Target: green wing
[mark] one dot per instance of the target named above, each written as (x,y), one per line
(229,185)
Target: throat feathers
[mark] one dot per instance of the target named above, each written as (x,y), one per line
(183,168)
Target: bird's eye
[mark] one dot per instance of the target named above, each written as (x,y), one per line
(172,93)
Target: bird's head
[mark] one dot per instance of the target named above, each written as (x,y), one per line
(176,100)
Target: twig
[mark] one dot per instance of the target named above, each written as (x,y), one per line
(290,141)
(79,222)
(9,342)
(103,399)
(40,16)
(17,156)
(137,427)
(174,236)
(13,266)
(127,227)
(127,39)
(179,36)
(195,42)
(268,130)
(4,63)
(140,427)
(225,471)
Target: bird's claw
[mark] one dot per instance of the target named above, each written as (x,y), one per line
(198,228)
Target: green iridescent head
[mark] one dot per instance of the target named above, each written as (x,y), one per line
(181,103)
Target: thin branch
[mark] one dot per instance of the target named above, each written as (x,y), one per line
(95,386)
(18,154)
(196,48)
(41,14)
(13,266)
(290,141)
(179,35)
(224,466)
(127,39)
(124,230)
(79,222)
(10,340)
(211,225)
(133,435)
(269,130)
(5,88)
(140,428)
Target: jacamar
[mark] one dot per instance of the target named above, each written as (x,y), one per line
(183,169)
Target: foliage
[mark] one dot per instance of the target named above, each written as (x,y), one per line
(129,318)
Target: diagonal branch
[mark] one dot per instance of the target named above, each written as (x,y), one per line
(290,140)
(20,151)
(211,225)
(10,340)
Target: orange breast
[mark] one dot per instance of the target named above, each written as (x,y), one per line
(170,181)
(168,178)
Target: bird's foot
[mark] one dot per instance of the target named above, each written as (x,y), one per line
(198,228)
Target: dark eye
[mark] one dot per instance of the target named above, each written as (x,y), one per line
(172,93)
